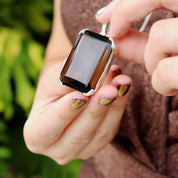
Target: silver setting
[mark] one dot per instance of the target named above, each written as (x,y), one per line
(83,31)
(59,79)
(103,29)
(102,77)
(91,92)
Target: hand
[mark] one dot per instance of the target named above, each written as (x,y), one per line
(66,125)
(157,50)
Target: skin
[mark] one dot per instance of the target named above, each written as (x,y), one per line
(63,133)
(157,50)
(58,130)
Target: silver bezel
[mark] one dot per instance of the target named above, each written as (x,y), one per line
(100,81)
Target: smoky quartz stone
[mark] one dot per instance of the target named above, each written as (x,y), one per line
(87,62)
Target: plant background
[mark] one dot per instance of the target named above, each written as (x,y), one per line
(24,31)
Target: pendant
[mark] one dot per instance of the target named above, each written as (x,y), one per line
(87,63)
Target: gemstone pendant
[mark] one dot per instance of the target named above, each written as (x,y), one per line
(87,62)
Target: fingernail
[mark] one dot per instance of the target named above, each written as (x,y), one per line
(78,102)
(116,72)
(107,28)
(100,11)
(106,101)
(123,89)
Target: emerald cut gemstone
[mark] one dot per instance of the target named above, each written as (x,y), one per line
(87,61)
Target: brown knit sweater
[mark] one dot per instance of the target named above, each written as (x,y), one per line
(147,142)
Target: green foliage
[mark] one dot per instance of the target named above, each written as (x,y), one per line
(31,165)
(24,30)
(26,15)
(18,65)
(5,152)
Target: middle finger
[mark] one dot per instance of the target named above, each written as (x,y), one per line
(81,131)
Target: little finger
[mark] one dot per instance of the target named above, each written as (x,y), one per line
(82,130)
(111,122)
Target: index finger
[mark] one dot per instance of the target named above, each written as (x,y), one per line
(129,11)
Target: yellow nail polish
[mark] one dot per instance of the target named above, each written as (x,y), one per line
(106,101)
(78,102)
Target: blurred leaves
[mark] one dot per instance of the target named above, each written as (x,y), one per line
(5,153)
(24,31)
(21,60)
(26,15)
(21,57)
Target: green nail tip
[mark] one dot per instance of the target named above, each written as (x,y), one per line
(123,89)
(106,101)
(78,103)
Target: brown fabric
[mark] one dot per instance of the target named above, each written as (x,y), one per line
(147,142)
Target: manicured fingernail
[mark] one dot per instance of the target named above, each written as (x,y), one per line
(100,11)
(123,89)
(78,102)
(107,28)
(106,101)
(116,72)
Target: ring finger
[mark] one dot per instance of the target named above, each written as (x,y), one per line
(110,125)
(81,131)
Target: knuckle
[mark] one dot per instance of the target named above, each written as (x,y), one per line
(105,135)
(156,31)
(30,139)
(85,157)
(46,137)
(97,113)
(64,157)
(78,138)
(165,3)
(38,138)
(162,75)
(33,148)
(65,118)
(63,160)
(61,156)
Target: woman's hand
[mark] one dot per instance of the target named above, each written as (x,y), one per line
(66,125)
(157,50)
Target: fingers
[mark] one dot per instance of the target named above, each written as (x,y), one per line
(111,122)
(123,15)
(49,87)
(83,129)
(104,14)
(63,127)
(45,126)
(114,71)
(135,42)
(165,76)
(161,56)
(39,130)
(162,42)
